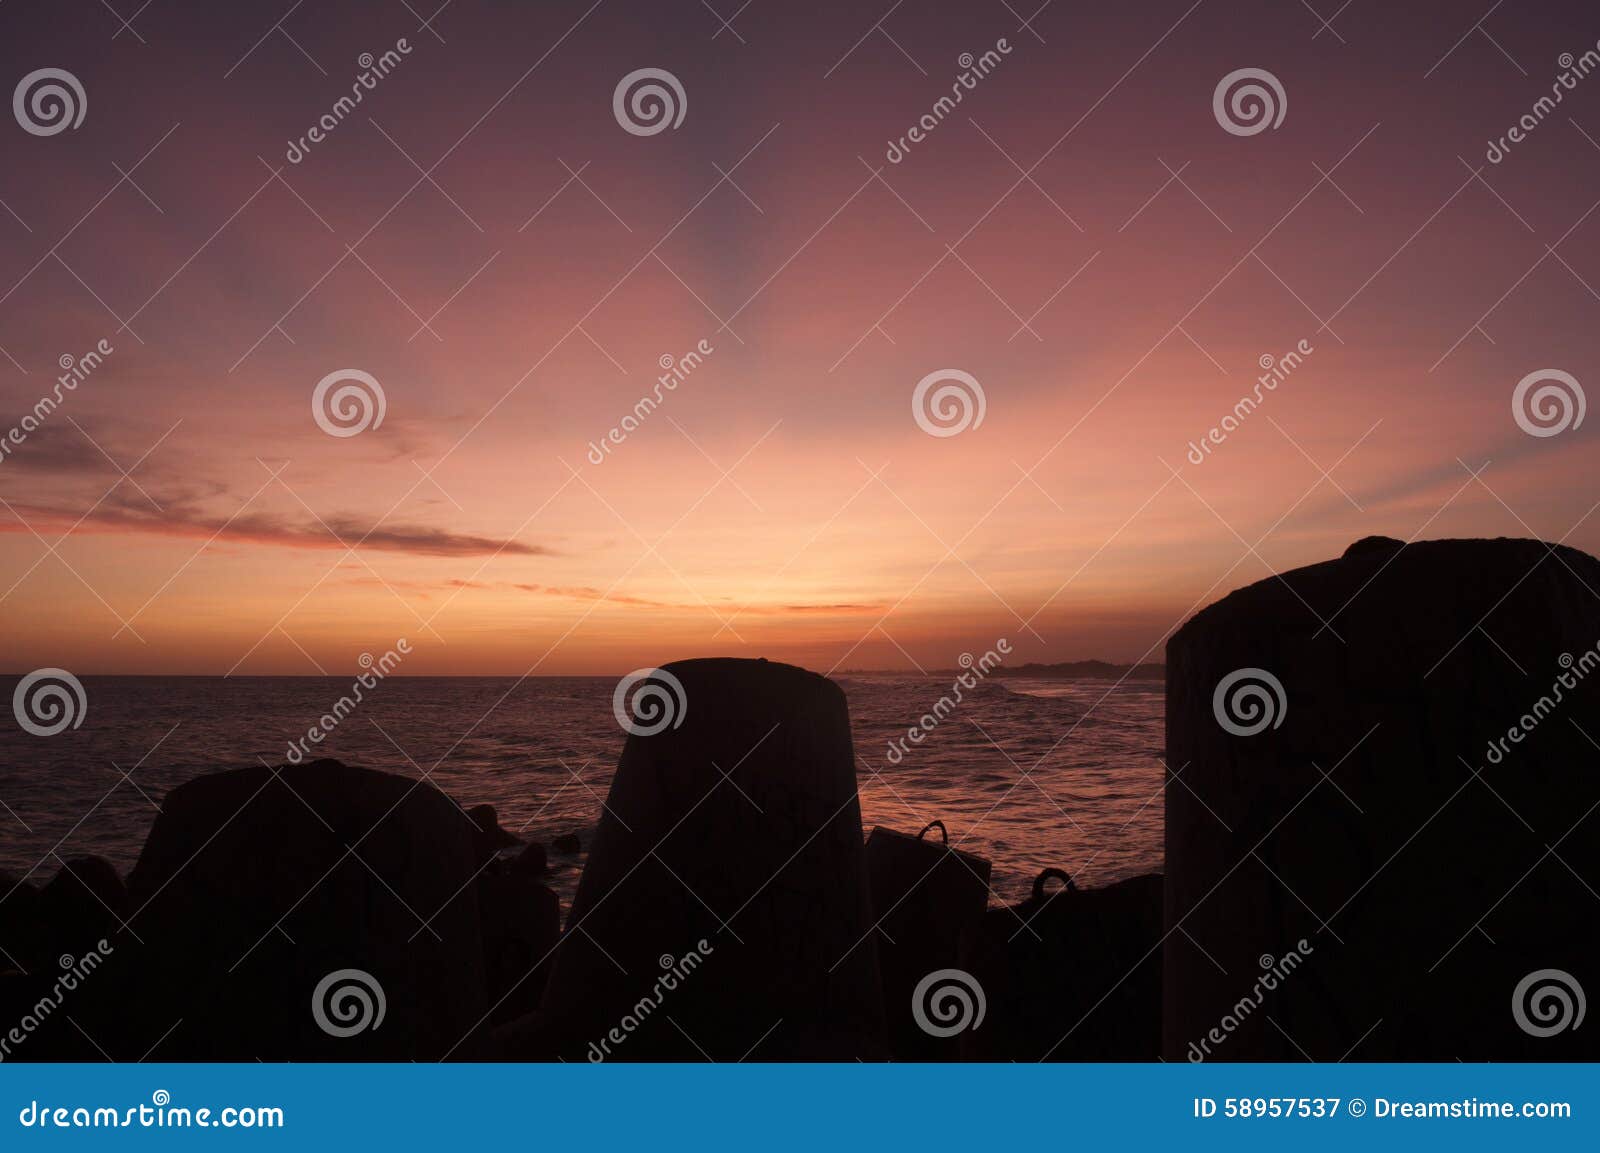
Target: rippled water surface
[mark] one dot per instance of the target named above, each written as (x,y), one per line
(1026,773)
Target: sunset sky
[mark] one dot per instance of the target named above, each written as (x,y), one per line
(782,501)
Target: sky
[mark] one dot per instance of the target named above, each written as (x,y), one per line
(1085,238)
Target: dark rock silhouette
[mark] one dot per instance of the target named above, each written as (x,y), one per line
(47,933)
(85,901)
(566,843)
(722,910)
(491,838)
(520,920)
(1384,813)
(532,861)
(1069,975)
(925,894)
(256,884)
(21,925)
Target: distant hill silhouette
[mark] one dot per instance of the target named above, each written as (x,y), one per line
(1097,669)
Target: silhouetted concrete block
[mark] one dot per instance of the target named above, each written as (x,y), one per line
(491,838)
(1069,975)
(19,919)
(1375,805)
(521,921)
(532,861)
(255,887)
(722,910)
(83,902)
(925,894)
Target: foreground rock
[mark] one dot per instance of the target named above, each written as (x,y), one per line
(521,923)
(85,901)
(925,895)
(1384,854)
(722,911)
(1069,975)
(53,941)
(256,886)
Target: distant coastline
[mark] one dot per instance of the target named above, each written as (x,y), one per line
(1095,669)
(1081,670)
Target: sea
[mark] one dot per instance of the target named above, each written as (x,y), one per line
(1030,774)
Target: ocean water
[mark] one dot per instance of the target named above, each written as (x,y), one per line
(1029,774)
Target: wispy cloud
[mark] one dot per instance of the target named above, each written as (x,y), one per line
(170,496)
(335,532)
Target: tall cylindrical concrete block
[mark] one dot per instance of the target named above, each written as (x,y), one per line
(1382,834)
(722,911)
